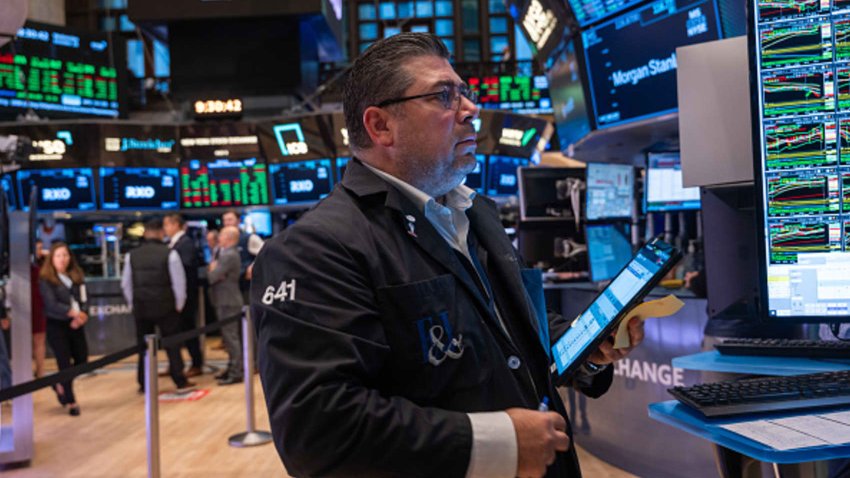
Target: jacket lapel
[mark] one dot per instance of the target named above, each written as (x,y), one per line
(501,260)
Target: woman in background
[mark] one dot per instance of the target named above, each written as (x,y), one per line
(64,296)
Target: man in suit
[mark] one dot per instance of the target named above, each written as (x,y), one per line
(174,226)
(223,275)
(154,282)
(399,334)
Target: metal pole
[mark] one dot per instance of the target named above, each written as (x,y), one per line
(251,437)
(152,406)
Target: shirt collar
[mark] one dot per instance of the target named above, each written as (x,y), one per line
(459,198)
(175,238)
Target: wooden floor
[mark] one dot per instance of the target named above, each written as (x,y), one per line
(108,439)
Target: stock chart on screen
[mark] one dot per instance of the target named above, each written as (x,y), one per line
(802,58)
(223,183)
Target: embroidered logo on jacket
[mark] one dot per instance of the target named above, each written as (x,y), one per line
(437,339)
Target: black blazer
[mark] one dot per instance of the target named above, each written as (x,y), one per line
(57,299)
(188,253)
(350,304)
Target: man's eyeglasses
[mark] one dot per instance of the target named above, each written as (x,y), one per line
(447,97)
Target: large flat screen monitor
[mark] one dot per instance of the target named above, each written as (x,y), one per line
(223,183)
(502,175)
(258,222)
(301,182)
(631,59)
(518,93)
(610,191)
(59,72)
(139,188)
(609,249)
(569,104)
(802,166)
(663,190)
(68,189)
(591,11)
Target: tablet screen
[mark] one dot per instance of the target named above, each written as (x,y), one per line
(630,284)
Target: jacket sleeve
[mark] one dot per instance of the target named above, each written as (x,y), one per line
(322,351)
(53,307)
(225,266)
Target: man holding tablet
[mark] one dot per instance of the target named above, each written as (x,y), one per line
(399,335)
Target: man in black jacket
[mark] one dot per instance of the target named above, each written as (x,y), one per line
(154,283)
(397,334)
(174,226)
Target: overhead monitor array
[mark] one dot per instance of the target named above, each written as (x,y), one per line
(802,156)
(57,72)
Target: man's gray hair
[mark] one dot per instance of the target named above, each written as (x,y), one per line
(378,75)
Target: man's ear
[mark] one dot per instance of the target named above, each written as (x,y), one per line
(378,124)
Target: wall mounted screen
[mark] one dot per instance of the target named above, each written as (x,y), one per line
(223,183)
(69,189)
(139,188)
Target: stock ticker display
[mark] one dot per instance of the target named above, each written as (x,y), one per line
(803,69)
(223,183)
(631,59)
(519,93)
(56,72)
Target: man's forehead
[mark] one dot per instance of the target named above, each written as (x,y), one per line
(432,70)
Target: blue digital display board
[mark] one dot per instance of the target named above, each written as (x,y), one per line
(475,179)
(7,183)
(139,188)
(341,164)
(304,181)
(69,189)
(502,175)
(631,59)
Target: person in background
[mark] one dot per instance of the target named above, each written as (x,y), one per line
(212,243)
(224,273)
(154,282)
(249,246)
(39,321)
(174,226)
(64,294)
(50,231)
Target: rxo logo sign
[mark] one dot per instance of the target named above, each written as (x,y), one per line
(55,194)
(301,186)
(139,192)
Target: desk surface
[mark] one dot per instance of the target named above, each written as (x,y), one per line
(680,416)
(714,361)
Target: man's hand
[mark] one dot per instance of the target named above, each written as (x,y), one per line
(213,265)
(539,436)
(249,271)
(606,353)
(5,323)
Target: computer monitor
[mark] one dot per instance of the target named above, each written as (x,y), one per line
(301,182)
(800,101)
(569,103)
(60,72)
(631,58)
(133,189)
(502,175)
(475,179)
(223,183)
(610,191)
(521,94)
(258,222)
(550,193)
(68,189)
(663,190)
(609,249)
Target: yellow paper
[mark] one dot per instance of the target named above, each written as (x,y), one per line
(654,308)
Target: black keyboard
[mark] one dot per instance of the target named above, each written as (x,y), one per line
(786,348)
(767,394)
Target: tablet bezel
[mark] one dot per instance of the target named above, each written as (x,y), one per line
(605,332)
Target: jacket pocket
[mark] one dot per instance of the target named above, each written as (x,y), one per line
(435,333)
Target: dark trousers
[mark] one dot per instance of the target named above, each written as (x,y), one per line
(68,345)
(168,326)
(187,322)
